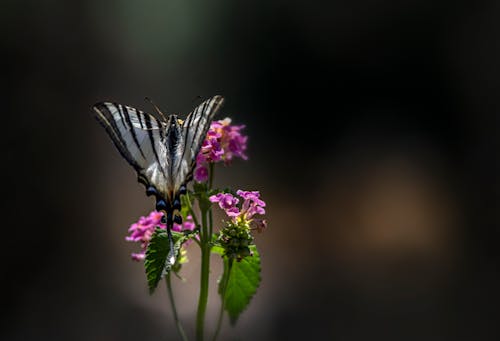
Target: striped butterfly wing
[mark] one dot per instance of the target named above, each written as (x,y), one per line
(194,131)
(140,139)
(162,153)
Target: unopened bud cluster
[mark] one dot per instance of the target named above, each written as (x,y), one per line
(236,240)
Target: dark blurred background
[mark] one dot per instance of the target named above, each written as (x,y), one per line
(373,138)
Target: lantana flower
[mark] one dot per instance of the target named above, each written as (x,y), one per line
(251,205)
(235,235)
(224,142)
(142,231)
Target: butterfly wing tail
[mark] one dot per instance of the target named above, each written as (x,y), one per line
(171,253)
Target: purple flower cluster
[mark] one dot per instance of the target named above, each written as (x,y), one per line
(251,205)
(142,231)
(224,142)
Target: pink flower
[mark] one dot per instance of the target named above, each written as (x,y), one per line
(188,224)
(252,205)
(142,231)
(211,148)
(226,200)
(201,173)
(233,212)
(224,142)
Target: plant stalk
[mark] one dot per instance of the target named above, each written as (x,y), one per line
(210,218)
(225,279)
(174,309)
(205,270)
(191,210)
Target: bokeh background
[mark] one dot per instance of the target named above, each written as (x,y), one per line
(373,138)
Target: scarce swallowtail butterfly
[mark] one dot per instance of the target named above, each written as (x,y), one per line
(161,150)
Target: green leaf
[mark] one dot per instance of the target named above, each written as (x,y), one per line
(239,283)
(218,250)
(156,258)
(156,264)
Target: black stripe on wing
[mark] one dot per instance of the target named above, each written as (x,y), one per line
(195,129)
(106,119)
(132,130)
(138,136)
(149,129)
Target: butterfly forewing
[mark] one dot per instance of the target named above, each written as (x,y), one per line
(139,138)
(194,130)
(162,153)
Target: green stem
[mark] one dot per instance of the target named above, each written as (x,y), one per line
(210,183)
(225,279)
(191,210)
(210,225)
(205,269)
(174,309)
(205,246)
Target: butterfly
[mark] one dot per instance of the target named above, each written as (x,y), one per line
(161,150)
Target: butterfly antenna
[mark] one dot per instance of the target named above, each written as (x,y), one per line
(157,109)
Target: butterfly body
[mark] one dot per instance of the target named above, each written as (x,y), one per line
(162,151)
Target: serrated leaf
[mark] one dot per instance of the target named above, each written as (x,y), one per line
(156,264)
(239,283)
(156,258)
